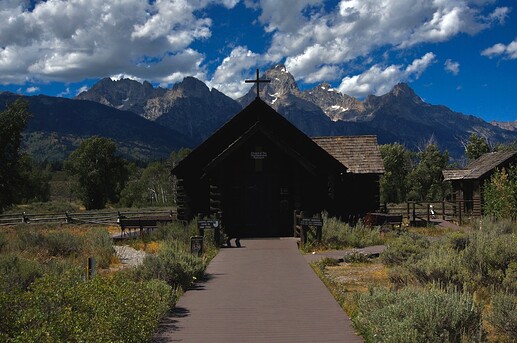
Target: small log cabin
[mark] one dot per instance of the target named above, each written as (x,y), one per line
(258,168)
(467,183)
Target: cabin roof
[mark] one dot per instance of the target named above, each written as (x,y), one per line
(359,154)
(479,167)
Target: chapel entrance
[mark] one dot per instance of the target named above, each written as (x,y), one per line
(258,205)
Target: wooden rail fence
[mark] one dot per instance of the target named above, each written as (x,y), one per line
(420,213)
(87,217)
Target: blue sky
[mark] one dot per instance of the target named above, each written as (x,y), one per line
(457,53)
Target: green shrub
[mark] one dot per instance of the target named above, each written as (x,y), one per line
(337,235)
(458,240)
(504,315)
(17,273)
(488,256)
(400,277)
(442,265)
(418,315)
(62,243)
(3,241)
(27,239)
(105,309)
(326,262)
(99,245)
(173,264)
(356,257)
(510,279)
(404,248)
(10,307)
(175,231)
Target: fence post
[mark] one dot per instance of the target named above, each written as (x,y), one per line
(303,229)
(428,213)
(295,218)
(443,209)
(414,213)
(90,268)
(319,229)
(408,213)
(459,213)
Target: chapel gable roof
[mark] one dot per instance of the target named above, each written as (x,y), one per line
(360,154)
(481,166)
(234,131)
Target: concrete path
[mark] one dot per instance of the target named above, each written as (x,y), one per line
(262,292)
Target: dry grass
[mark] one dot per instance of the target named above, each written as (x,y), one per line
(357,277)
(431,231)
(346,280)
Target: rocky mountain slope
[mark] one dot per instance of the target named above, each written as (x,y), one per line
(189,112)
(400,115)
(510,126)
(59,125)
(192,109)
(189,107)
(124,94)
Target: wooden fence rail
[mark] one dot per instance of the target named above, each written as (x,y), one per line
(418,212)
(88,217)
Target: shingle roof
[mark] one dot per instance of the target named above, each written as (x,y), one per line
(479,167)
(360,154)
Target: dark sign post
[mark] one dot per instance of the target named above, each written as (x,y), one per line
(305,223)
(196,245)
(311,221)
(214,224)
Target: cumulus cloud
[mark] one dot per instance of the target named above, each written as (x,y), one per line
(229,75)
(380,80)
(32,89)
(357,28)
(73,40)
(82,89)
(70,40)
(500,50)
(452,67)
(286,16)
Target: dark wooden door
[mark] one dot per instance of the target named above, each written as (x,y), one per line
(259,216)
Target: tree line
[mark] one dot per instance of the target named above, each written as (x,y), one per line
(411,176)
(102,176)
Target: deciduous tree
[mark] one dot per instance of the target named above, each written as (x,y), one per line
(101,174)
(476,147)
(397,164)
(500,194)
(12,122)
(426,178)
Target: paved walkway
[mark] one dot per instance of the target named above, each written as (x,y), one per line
(262,292)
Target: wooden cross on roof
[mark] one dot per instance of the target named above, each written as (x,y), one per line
(258,81)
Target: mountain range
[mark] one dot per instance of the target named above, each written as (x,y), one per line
(148,123)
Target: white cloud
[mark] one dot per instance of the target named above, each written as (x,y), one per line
(32,89)
(356,28)
(229,75)
(452,67)
(379,80)
(65,93)
(286,16)
(70,40)
(505,51)
(81,89)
